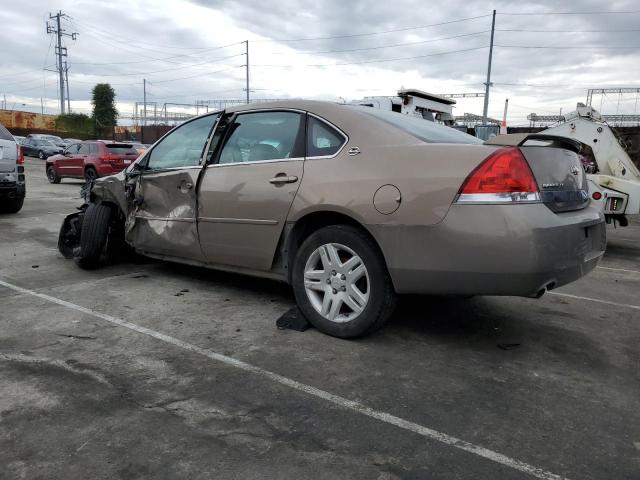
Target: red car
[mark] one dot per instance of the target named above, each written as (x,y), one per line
(90,160)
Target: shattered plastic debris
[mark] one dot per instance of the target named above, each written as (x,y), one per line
(293,319)
(508,346)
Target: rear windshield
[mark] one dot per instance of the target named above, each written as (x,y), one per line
(121,149)
(5,135)
(422,129)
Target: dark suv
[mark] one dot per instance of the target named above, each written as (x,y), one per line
(12,181)
(90,160)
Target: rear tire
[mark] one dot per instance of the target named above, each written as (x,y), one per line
(41,155)
(12,205)
(90,174)
(52,176)
(93,236)
(374,294)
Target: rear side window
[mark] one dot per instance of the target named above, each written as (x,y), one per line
(322,139)
(5,135)
(93,149)
(424,130)
(121,149)
(84,149)
(262,136)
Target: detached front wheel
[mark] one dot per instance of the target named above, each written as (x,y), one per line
(341,282)
(93,236)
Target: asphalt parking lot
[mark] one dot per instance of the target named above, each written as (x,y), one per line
(154,370)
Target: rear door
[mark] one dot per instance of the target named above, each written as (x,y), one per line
(246,193)
(162,216)
(8,151)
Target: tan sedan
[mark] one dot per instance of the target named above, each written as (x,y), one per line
(350,205)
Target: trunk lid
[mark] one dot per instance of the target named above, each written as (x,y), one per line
(8,151)
(121,155)
(558,170)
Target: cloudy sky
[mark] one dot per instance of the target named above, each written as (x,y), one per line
(328,49)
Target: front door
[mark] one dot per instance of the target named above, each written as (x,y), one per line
(162,217)
(246,193)
(79,160)
(65,163)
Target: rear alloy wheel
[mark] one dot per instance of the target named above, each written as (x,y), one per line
(41,155)
(90,174)
(52,176)
(341,282)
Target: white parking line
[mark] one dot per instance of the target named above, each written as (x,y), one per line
(618,269)
(302,387)
(596,300)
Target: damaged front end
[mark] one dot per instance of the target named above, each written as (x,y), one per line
(108,190)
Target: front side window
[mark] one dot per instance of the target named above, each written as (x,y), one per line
(322,139)
(72,149)
(261,136)
(183,146)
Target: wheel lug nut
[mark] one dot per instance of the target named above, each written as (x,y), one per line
(343,276)
(335,291)
(344,289)
(328,280)
(333,272)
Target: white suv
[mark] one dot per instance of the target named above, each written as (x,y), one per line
(12,181)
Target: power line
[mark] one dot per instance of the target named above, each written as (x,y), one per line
(165,69)
(316,52)
(158,59)
(374,61)
(604,12)
(567,31)
(572,47)
(137,40)
(380,32)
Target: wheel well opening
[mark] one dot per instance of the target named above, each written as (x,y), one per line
(311,223)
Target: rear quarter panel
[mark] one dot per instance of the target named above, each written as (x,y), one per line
(427,175)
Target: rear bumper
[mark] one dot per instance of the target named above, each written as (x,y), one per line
(494,250)
(12,184)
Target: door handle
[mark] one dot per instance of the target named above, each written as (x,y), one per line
(185,186)
(283,179)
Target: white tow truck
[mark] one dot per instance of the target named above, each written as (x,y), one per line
(611,168)
(606,162)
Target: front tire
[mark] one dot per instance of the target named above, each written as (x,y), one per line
(341,282)
(52,176)
(93,236)
(90,174)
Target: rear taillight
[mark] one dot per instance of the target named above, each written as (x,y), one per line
(504,177)
(19,155)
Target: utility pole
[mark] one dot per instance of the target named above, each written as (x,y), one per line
(60,52)
(144,99)
(66,81)
(246,42)
(488,83)
(144,109)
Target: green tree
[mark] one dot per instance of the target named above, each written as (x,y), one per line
(76,123)
(104,114)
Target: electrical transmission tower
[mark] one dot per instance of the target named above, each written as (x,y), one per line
(61,52)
